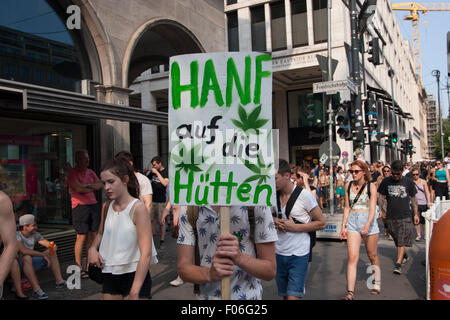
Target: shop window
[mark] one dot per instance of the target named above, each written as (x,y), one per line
(299,23)
(320,19)
(233,31)
(36,157)
(278,16)
(258,28)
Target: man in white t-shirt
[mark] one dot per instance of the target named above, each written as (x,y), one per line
(293,245)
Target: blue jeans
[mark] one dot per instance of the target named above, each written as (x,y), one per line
(291,275)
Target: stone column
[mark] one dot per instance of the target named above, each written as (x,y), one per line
(114,135)
(149,132)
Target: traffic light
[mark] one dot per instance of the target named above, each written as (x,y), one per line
(343,120)
(394,137)
(409,146)
(371,111)
(374,51)
(336,101)
(404,146)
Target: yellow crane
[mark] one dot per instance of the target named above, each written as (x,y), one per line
(414,8)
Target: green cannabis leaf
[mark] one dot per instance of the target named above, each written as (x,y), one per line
(195,156)
(262,171)
(249,121)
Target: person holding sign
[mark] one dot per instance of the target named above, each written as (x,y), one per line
(298,215)
(235,254)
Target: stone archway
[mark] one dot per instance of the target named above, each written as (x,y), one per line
(145,70)
(153,44)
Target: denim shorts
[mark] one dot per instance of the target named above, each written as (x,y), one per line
(291,275)
(357,220)
(38,263)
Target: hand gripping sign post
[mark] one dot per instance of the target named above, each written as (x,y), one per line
(220,126)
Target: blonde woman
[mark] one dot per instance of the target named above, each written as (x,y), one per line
(359,223)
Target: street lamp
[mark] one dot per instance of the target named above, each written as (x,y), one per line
(437,74)
(391,75)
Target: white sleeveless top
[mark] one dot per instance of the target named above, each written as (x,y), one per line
(119,247)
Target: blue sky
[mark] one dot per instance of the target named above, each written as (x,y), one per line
(33,16)
(433,37)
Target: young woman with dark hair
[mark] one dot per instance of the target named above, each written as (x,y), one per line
(359,223)
(122,247)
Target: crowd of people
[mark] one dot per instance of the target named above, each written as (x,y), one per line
(263,243)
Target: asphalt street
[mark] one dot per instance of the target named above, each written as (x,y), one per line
(326,277)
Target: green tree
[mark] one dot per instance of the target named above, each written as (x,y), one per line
(437,140)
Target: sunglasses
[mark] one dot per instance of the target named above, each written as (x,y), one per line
(386,170)
(415,174)
(355,171)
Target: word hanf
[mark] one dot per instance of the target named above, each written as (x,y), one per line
(210,82)
(242,191)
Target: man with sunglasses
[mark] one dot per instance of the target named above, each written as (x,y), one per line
(399,192)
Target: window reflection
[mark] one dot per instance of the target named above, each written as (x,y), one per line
(36,47)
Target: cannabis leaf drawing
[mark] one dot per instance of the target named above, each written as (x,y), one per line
(262,171)
(195,158)
(249,121)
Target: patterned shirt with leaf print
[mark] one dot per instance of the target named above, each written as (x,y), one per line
(244,286)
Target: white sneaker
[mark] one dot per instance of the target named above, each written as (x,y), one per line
(177,282)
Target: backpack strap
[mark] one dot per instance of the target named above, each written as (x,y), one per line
(192,215)
(292,199)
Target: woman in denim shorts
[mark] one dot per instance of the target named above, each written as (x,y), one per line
(359,223)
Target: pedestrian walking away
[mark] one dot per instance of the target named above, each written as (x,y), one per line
(399,192)
(82,183)
(8,241)
(122,246)
(298,216)
(360,223)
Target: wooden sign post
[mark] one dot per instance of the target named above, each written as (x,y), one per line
(220,133)
(225,229)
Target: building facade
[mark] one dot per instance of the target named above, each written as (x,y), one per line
(295,32)
(432,125)
(66,68)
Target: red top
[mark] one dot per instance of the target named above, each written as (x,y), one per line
(82,177)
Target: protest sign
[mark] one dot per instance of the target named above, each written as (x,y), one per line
(220,130)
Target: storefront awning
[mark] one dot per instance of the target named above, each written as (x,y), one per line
(53,101)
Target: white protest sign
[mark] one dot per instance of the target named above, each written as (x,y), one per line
(220,129)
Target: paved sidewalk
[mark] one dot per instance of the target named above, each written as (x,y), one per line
(326,278)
